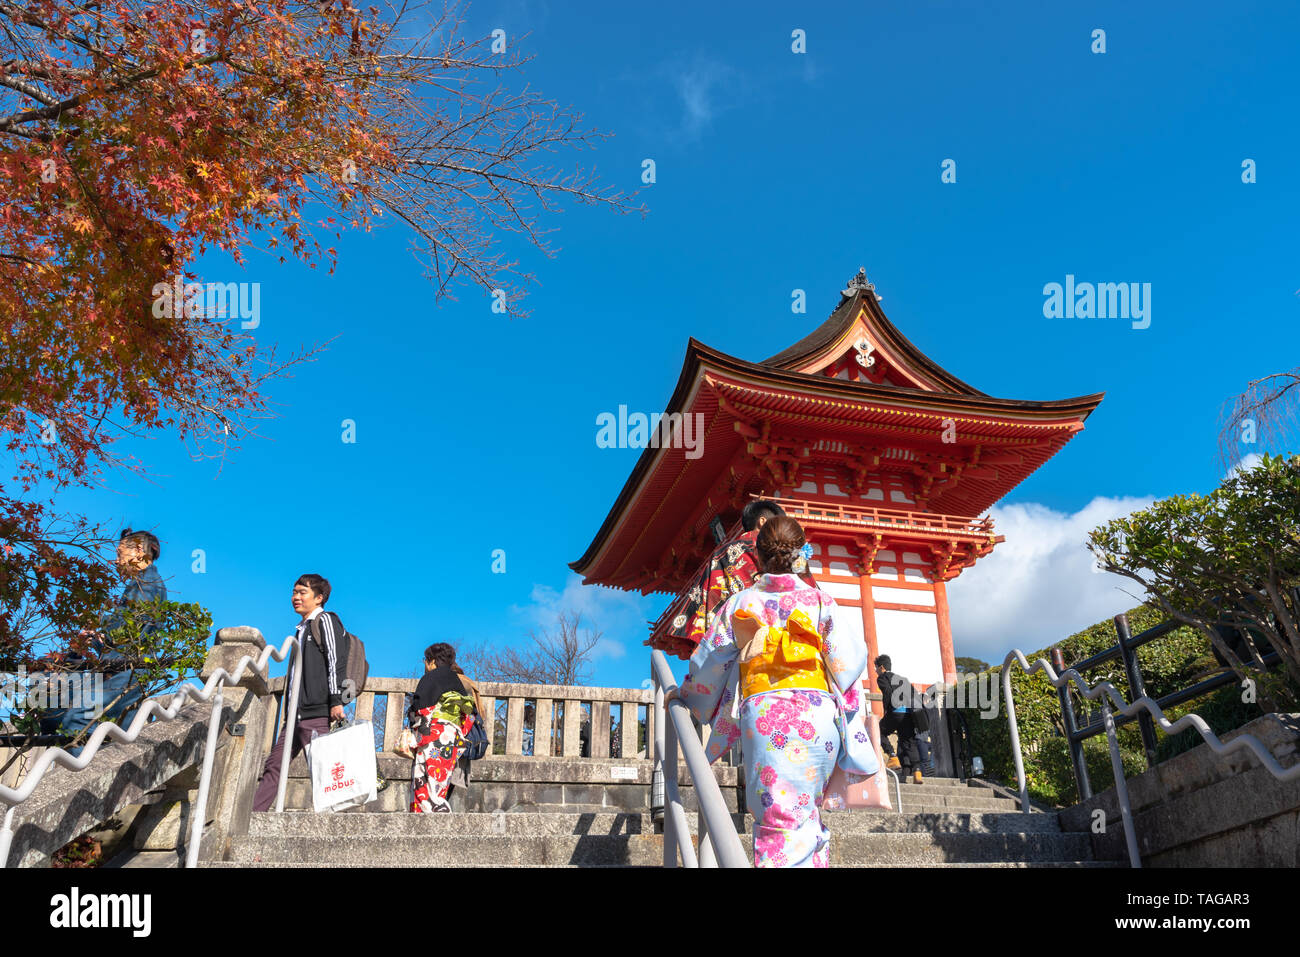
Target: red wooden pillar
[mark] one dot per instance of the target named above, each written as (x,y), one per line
(869,632)
(949,662)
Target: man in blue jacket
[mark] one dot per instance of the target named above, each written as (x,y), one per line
(137,553)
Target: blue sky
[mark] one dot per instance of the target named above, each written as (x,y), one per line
(775,171)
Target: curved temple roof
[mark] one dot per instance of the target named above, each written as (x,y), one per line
(854,389)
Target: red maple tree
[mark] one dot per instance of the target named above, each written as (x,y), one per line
(138,135)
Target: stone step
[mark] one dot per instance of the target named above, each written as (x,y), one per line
(563,809)
(289,865)
(335,865)
(458,850)
(956,803)
(933,781)
(452,850)
(518,809)
(909,849)
(416,826)
(544,770)
(946,786)
(561,819)
(865,822)
(488,796)
(1016,864)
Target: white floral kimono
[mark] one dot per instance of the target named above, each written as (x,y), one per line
(789,736)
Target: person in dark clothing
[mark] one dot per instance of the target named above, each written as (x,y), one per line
(137,553)
(323,655)
(901,718)
(439,678)
(440,718)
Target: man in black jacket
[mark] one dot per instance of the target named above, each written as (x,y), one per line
(324,665)
(902,716)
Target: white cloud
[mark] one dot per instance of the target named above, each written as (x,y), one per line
(1039,586)
(1251,461)
(609,610)
(706,88)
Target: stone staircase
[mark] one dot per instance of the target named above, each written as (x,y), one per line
(565,812)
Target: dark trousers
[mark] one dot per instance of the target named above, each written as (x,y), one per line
(270,783)
(121,697)
(912,753)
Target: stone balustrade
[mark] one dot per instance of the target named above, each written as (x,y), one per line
(527,720)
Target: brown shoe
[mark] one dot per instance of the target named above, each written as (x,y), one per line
(916,777)
(893,763)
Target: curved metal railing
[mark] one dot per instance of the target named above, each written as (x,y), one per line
(898,789)
(1096,691)
(210,692)
(719,843)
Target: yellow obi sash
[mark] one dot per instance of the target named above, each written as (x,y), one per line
(773,658)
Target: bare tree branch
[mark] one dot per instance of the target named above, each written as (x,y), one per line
(1265,416)
(562,657)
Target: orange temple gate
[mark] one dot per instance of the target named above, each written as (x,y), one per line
(887,460)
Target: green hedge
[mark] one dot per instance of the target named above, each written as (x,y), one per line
(1174,661)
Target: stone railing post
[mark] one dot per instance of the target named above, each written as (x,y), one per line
(631,725)
(600,729)
(515,726)
(489,703)
(542,727)
(394,715)
(239,763)
(572,735)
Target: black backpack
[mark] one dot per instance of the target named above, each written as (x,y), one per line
(356,668)
(477,742)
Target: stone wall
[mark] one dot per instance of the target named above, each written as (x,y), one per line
(1200,809)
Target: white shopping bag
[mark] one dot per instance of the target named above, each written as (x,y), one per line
(343,770)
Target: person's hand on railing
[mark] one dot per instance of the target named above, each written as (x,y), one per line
(670,694)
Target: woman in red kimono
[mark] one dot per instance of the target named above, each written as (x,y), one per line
(732,568)
(440,717)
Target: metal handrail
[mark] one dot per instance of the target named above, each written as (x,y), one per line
(898,789)
(719,842)
(211,691)
(1217,745)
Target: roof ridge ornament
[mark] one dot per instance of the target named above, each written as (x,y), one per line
(860,281)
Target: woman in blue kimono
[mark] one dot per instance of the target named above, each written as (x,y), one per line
(773,647)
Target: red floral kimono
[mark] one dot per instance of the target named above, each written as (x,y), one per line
(731,569)
(439,743)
